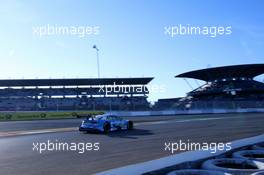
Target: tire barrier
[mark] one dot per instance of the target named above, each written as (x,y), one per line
(197,172)
(259,173)
(197,162)
(257,155)
(234,166)
(258,147)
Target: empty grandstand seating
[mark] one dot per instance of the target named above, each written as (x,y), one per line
(69,94)
(229,87)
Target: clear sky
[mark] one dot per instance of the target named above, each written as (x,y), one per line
(132,42)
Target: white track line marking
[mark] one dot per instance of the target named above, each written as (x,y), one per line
(182,121)
(31,132)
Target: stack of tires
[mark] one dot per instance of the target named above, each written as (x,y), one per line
(197,172)
(235,166)
(258,147)
(243,162)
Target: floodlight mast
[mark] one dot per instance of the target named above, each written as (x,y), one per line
(98,63)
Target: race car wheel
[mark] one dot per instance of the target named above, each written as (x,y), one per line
(130,125)
(107,128)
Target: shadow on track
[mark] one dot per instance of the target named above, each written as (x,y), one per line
(130,134)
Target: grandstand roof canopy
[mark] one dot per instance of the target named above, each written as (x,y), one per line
(74,82)
(225,72)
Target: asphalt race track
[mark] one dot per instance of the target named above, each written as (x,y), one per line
(145,142)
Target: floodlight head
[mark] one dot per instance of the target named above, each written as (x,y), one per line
(95,47)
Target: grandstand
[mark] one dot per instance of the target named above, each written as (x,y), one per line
(165,103)
(228,87)
(74,94)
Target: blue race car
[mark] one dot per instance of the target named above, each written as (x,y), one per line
(105,123)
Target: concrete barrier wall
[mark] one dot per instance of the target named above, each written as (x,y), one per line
(178,112)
